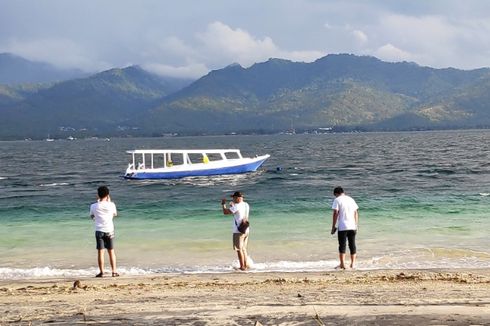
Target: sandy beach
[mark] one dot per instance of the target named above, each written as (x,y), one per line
(394,297)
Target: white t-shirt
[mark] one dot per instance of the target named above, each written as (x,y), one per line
(103,212)
(347,208)
(240,211)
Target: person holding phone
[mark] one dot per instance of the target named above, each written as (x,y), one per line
(240,210)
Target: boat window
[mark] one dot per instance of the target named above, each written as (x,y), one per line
(214,156)
(177,159)
(143,161)
(195,158)
(158,161)
(232,155)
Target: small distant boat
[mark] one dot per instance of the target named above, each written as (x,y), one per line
(49,139)
(176,164)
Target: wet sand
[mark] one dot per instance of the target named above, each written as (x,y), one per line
(394,297)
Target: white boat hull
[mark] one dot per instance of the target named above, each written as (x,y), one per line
(232,166)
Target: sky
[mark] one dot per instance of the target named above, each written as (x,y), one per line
(188,38)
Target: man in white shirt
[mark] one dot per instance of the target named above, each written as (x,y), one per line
(240,210)
(346,217)
(103,212)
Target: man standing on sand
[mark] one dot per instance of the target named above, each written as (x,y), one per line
(240,210)
(345,213)
(103,212)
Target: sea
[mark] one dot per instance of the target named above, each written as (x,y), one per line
(424,201)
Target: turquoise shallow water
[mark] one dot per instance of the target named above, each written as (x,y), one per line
(423,200)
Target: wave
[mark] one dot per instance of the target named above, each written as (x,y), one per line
(394,262)
(3,178)
(54,184)
(49,272)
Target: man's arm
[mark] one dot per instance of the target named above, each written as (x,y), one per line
(226,211)
(356,217)
(335,216)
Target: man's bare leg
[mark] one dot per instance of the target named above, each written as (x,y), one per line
(112,259)
(353,261)
(100,260)
(342,260)
(245,259)
(241,259)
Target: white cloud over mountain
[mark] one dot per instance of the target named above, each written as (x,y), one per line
(190,38)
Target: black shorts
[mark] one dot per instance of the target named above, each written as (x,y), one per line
(104,240)
(343,236)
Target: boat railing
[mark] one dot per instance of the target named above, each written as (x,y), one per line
(158,159)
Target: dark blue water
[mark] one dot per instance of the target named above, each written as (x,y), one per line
(423,201)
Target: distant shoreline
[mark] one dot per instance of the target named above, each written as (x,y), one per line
(63,137)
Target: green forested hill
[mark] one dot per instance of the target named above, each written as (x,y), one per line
(343,92)
(335,91)
(104,103)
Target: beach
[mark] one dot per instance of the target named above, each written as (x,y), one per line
(423,246)
(387,297)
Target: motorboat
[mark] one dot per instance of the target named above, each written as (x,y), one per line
(176,164)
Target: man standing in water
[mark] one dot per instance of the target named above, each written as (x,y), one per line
(240,210)
(103,212)
(345,213)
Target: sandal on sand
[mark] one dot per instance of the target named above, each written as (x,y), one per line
(115,274)
(100,275)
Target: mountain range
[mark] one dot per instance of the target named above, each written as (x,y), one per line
(338,92)
(17,70)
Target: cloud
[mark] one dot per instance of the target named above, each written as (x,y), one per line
(434,40)
(347,38)
(389,52)
(186,36)
(225,44)
(62,53)
(235,45)
(218,46)
(192,71)
(360,36)
(302,56)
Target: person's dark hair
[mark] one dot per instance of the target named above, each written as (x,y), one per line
(102,191)
(338,191)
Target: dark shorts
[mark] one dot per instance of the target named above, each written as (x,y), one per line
(343,237)
(104,240)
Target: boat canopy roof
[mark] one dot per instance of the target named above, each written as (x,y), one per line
(182,151)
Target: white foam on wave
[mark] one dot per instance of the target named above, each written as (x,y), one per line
(54,184)
(411,260)
(39,272)
(258,267)
(293,266)
(392,262)
(49,272)
(484,194)
(3,178)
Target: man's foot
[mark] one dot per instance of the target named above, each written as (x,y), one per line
(340,267)
(114,274)
(101,274)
